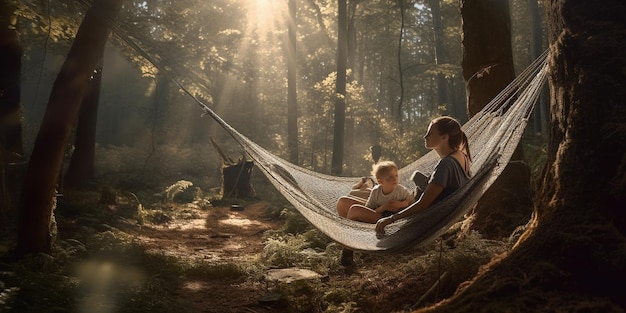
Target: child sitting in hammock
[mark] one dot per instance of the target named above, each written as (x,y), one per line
(386,198)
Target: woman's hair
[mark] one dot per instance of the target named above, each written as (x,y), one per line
(381,168)
(456,137)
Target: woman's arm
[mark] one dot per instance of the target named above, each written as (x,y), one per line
(431,193)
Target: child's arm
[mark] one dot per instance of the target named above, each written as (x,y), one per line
(397,205)
(394,205)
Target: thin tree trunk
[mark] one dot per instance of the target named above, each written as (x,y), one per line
(340,86)
(81,167)
(488,69)
(572,256)
(292,106)
(400,106)
(441,57)
(38,193)
(541,112)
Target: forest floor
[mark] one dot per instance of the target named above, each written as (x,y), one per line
(209,257)
(217,235)
(221,235)
(375,283)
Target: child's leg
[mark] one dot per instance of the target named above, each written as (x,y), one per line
(362,213)
(344,204)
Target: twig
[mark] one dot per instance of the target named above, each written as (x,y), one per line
(429,292)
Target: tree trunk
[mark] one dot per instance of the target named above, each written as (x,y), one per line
(488,69)
(11,145)
(292,106)
(540,119)
(236,180)
(10,82)
(572,256)
(340,86)
(38,192)
(400,106)
(441,57)
(81,167)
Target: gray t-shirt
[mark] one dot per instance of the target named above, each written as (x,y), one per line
(377,198)
(449,174)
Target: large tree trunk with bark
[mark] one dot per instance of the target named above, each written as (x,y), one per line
(10,78)
(571,258)
(11,153)
(35,233)
(487,70)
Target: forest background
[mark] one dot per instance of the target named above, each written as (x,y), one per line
(232,55)
(403,72)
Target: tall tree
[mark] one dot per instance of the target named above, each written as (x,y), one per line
(487,69)
(399,108)
(81,166)
(536,48)
(10,100)
(572,255)
(38,193)
(441,56)
(340,87)
(292,107)
(11,146)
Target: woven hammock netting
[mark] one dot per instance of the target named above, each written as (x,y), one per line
(493,134)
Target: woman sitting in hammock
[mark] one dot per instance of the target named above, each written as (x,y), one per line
(445,136)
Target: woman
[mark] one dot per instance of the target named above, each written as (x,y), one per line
(445,136)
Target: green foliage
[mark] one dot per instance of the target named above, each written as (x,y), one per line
(133,167)
(176,188)
(223,271)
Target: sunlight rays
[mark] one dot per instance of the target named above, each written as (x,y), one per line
(260,53)
(268,15)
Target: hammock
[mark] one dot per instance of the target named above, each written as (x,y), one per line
(493,133)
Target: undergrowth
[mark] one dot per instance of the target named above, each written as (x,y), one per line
(97,266)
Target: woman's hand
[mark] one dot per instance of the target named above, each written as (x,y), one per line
(382,223)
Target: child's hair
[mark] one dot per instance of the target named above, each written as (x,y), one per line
(381,168)
(456,137)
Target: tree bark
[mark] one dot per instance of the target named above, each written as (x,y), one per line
(340,87)
(10,83)
(540,117)
(572,255)
(292,106)
(38,192)
(81,167)
(488,69)
(11,144)
(441,57)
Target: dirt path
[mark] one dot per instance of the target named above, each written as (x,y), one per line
(218,235)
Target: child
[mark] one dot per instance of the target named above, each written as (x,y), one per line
(385,198)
